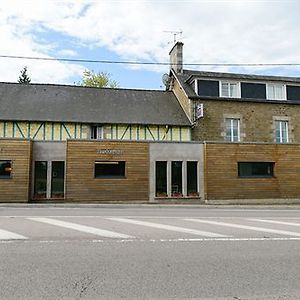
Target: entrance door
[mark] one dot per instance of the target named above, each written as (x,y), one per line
(57,179)
(40,179)
(49,179)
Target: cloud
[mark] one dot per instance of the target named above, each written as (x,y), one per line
(213,32)
(18,38)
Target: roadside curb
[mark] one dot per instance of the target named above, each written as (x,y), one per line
(147,205)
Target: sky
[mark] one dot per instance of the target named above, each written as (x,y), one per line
(213,31)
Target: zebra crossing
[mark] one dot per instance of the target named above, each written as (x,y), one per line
(114,228)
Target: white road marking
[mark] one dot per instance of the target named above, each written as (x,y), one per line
(7,235)
(263,239)
(262,229)
(275,222)
(82,228)
(136,217)
(169,227)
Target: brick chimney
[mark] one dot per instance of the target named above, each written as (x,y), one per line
(176,57)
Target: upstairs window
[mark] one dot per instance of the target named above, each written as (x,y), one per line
(232,130)
(276,91)
(96,132)
(230,89)
(282,131)
(5,169)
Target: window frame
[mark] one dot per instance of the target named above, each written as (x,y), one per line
(110,176)
(177,189)
(190,193)
(157,192)
(271,165)
(274,85)
(99,132)
(231,137)
(10,171)
(230,82)
(280,122)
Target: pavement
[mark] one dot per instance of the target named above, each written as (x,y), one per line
(149,252)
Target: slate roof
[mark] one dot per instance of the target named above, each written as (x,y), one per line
(185,78)
(63,103)
(240,76)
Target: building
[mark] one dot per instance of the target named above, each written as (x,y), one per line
(89,144)
(250,127)
(210,137)
(237,107)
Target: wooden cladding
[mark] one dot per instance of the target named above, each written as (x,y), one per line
(223,181)
(16,187)
(81,184)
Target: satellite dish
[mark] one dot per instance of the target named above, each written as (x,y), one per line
(166,79)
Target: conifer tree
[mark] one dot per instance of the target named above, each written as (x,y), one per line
(24,78)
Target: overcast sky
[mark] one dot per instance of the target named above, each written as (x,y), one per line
(121,30)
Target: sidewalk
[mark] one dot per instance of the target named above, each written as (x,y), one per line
(148,205)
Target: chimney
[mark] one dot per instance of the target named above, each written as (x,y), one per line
(176,57)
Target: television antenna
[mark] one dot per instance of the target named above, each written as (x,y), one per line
(175,33)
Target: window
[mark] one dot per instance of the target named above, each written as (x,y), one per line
(40,179)
(192,178)
(161,179)
(293,92)
(256,169)
(176,178)
(230,89)
(96,132)
(5,169)
(110,169)
(207,88)
(276,92)
(281,132)
(57,179)
(232,129)
(253,90)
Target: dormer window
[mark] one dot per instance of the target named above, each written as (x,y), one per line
(230,89)
(276,91)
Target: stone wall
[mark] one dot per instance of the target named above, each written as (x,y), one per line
(257,120)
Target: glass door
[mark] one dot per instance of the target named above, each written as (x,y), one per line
(57,179)
(40,179)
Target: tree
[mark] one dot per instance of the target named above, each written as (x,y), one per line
(24,78)
(100,79)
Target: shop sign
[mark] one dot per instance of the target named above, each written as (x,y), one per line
(110,151)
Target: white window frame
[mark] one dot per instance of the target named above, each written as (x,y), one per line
(231,129)
(99,132)
(229,82)
(196,86)
(283,87)
(280,122)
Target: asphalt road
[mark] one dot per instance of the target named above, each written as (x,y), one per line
(142,252)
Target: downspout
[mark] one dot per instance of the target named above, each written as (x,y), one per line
(205,170)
